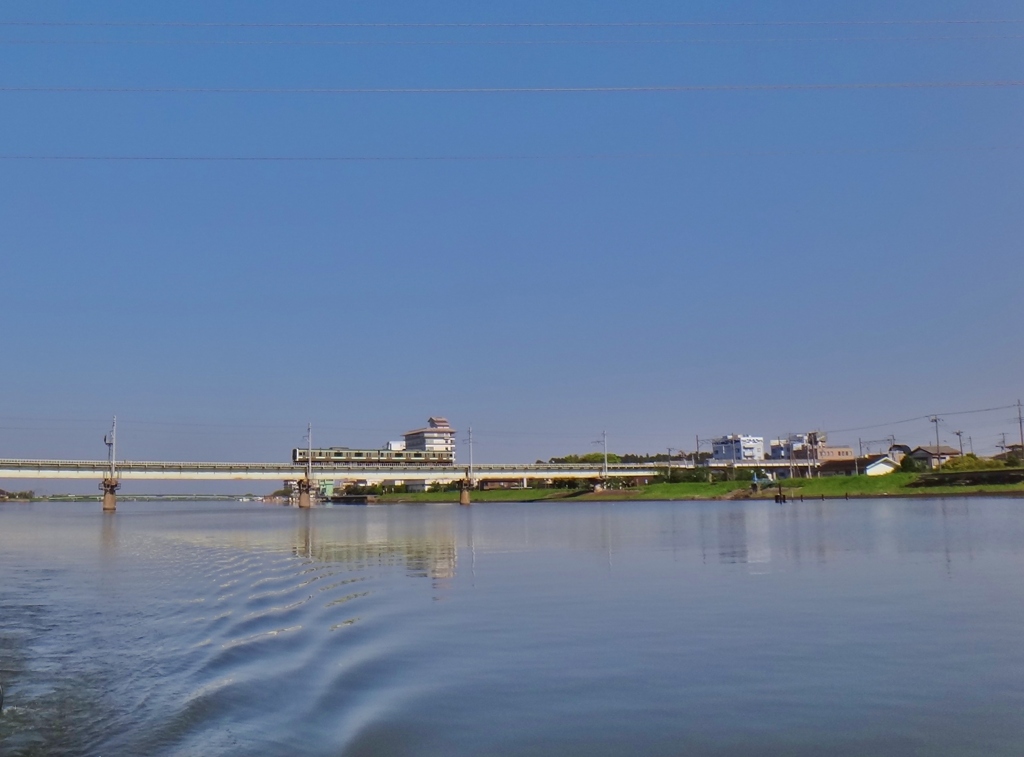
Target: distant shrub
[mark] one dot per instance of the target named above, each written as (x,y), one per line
(910,465)
(970,462)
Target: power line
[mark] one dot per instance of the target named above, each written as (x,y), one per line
(502,25)
(512,43)
(919,418)
(669,88)
(568,157)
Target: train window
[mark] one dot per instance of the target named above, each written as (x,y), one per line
(357,454)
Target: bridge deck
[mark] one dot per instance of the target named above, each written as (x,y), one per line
(202,471)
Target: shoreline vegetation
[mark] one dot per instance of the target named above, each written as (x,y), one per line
(900,484)
(836,487)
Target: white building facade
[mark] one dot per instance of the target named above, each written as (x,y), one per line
(737,448)
(438,436)
(790,447)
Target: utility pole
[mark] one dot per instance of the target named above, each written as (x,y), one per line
(306,487)
(1020,425)
(970,443)
(960,436)
(309,452)
(471,456)
(670,465)
(111,442)
(110,484)
(603,441)
(935,460)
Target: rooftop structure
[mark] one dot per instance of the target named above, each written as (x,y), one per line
(438,436)
(788,448)
(737,447)
(933,456)
(870,465)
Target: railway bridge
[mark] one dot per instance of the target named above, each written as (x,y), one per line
(308,475)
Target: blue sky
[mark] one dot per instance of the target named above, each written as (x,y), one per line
(751,261)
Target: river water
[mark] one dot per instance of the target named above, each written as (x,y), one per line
(890,627)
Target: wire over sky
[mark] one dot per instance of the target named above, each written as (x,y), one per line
(920,418)
(503,42)
(506,25)
(497,157)
(668,88)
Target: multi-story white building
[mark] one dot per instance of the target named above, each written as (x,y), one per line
(737,447)
(793,446)
(438,436)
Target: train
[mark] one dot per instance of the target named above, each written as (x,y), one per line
(372,456)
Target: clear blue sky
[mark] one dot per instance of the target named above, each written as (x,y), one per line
(752,261)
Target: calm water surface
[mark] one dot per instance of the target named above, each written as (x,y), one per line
(889,627)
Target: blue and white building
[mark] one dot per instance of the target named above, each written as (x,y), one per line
(737,448)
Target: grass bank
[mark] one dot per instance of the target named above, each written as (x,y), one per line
(838,487)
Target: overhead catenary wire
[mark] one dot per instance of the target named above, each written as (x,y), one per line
(509,24)
(600,89)
(507,157)
(916,418)
(506,42)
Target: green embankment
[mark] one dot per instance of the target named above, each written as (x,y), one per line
(838,487)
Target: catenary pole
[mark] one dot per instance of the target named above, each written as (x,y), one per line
(1020,426)
(935,460)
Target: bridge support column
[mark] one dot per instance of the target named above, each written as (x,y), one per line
(464,498)
(109,488)
(305,487)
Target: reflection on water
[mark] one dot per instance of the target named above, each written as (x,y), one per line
(886,626)
(425,549)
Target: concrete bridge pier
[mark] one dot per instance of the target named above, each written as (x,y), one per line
(305,487)
(109,488)
(464,498)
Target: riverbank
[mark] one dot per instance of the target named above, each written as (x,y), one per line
(838,487)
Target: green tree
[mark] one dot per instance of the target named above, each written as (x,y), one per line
(910,465)
(591,458)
